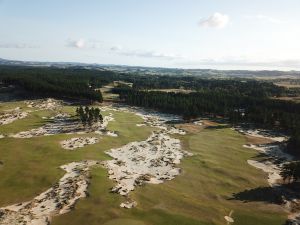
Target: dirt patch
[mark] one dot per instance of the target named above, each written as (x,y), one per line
(258,140)
(191,127)
(210,123)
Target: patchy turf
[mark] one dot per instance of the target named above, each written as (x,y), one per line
(202,195)
(30,166)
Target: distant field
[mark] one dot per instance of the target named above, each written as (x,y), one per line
(288,84)
(174,90)
(294,99)
(201,195)
(107,93)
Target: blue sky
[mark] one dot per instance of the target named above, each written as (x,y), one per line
(223,34)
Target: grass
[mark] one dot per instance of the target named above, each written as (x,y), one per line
(30,166)
(201,195)
(33,120)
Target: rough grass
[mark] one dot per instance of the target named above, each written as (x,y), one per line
(199,196)
(30,166)
(33,120)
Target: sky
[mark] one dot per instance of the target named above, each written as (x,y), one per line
(217,34)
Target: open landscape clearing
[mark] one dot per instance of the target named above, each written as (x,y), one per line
(203,192)
(150,112)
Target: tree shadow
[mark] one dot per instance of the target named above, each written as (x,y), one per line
(218,127)
(260,194)
(274,195)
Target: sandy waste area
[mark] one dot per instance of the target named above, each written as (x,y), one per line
(272,163)
(58,199)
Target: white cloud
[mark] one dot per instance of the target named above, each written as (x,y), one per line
(80,43)
(84,44)
(116,48)
(217,20)
(264,18)
(17,45)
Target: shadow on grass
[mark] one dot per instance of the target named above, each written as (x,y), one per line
(218,127)
(274,195)
(260,194)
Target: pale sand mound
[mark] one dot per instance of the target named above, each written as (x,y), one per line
(12,116)
(276,158)
(271,169)
(260,133)
(199,123)
(272,165)
(59,199)
(128,204)
(79,142)
(151,161)
(63,124)
(50,103)
(60,124)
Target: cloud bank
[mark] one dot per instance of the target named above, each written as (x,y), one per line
(17,45)
(264,18)
(149,54)
(76,43)
(217,20)
(84,44)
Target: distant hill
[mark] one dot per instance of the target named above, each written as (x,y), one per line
(206,73)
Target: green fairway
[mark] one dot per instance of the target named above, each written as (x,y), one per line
(201,195)
(30,166)
(33,120)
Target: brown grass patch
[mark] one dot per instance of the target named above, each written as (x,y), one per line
(257,140)
(190,127)
(210,123)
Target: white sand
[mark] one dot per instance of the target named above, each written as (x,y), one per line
(62,124)
(276,158)
(50,104)
(274,152)
(12,116)
(111,133)
(262,134)
(271,169)
(199,123)
(78,142)
(151,161)
(128,204)
(59,199)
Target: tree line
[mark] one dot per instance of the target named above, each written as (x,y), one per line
(291,172)
(237,108)
(53,82)
(88,116)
